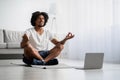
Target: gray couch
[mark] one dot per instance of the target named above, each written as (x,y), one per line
(10,44)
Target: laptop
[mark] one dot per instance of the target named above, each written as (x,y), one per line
(93,61)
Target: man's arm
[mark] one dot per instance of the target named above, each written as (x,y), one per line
(69,36)
(25,41)
(25,44)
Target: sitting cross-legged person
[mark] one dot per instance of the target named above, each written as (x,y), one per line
(35,42)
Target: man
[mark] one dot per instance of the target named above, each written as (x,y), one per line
(35,42)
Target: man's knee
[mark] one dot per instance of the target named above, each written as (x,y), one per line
(61,47)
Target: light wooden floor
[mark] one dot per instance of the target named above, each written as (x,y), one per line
(10,71)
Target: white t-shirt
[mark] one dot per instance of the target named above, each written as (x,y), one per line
(39,42)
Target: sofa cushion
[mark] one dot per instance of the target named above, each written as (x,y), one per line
(2,45)
(13,36)
(1,36)
(13,45)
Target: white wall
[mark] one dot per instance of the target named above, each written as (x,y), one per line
(16,14)
(115,31)
(95,24)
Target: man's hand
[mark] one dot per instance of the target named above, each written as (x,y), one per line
(69,36)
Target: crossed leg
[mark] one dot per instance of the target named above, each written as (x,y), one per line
(54,52)
(30,54)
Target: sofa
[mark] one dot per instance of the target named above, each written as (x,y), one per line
(10,44)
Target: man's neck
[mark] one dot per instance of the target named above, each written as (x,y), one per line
(38,29)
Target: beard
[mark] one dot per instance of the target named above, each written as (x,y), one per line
(41,24)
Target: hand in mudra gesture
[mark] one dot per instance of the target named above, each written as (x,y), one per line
(69,36)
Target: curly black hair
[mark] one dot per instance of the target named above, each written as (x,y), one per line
(36,14)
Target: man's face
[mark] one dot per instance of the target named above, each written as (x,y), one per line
(40,21)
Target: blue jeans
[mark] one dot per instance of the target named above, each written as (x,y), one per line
(35,61)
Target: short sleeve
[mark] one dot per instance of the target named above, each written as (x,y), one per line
(27,32)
